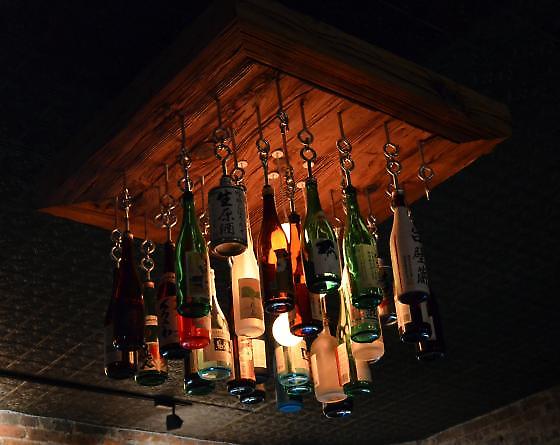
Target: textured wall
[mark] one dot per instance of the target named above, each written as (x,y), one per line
(22,429)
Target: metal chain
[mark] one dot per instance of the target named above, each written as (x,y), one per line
(283,123)
(116,236)
(238,172)
(222,151)
(305,136)
(263,146)
(167,218)
(393,167)
(203,218)
(148,248)
(371,219)
(125,203)
(345,149)
(185,183)
(425,172)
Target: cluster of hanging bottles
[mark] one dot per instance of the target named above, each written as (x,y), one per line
(303,280)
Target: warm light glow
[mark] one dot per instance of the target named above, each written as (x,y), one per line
(286,229)
(281,331)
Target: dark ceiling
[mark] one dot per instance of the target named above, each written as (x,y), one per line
(488,232)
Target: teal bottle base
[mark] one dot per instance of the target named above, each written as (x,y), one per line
(152,378)
(365,336)
(358,388)
(293,379)
(324,284)
(214,373)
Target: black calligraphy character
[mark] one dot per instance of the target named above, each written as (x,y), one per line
(325,247)
(422,275)
(224,198)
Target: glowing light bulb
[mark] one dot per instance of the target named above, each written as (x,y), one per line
(281,331)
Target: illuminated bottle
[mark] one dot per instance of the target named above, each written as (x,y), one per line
(324,365)
(192,266)
(194,385)
(305,317)
(360,256)
(118,364)
(412,328)
(194,333)
(169,344)
(407,255)
(242,380)
(292,364)
(274,259)
(260,359)
(285,403)
(246,290)
(434,347)
(364,323)
(319,247)
(128,310)
(152,366)
(369,352)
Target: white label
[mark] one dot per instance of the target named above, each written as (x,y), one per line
(250,304)
(362,370)
(366,256)
(298,356)
(325,257)
(226,207)
(259,353)
(150,320)
(315,302)
(403,313)
(343,364)
(150,359)
(314,370)
(407,256)
(280,361)
(426,317)
(246,364)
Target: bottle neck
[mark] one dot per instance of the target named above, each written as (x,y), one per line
(148,291)
(127,256)
(189,212)
(398,199)
(269,206)
(351,202)
(169,257)
(313,202)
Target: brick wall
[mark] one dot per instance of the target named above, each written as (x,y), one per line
(534,420)
(23,429)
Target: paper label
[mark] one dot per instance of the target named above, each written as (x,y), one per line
(315,303)
(151,320)
(343,364)
(280,361)
(324,254)
(167,311)
(298,356)
(218,350)
(150,358)
(314,370)
(226,207)
(407,256)
(250,304)
(366,258)
(363,371)
(196,271)
(403,313)
(259,353)
(246,365)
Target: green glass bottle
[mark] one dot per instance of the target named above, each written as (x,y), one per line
(192,265)
(152,366)
(360,256)
(319,247)
(193,384)
(351,376)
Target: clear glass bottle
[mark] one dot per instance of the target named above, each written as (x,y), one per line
(286,403)
(275,266)
(192,265)
(369,352)
(242,380)
(260,360)
(360,256)
(292,364)
(305,317)
(246,290)
(324,365)
(407,256)
(193,384)
(319,247)
(412,328)
(152,366)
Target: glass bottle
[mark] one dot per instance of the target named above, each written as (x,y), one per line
(360,256)
(407,256)
(335,410)
(169,344)
(128,315)
(305,317)
(214,360)
(319,247)
(386,309)
(286,403)
(192,265)
(350,375)
(257,396)
(434,347)
(292,364)
(118,364)
(412,328)
(194,333)
(369,352)
(246,290)
(260,361)
(275,266)
(242,380)
(324,365)
(193,384)
(152,366)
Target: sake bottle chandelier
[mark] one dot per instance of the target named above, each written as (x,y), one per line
(308,305)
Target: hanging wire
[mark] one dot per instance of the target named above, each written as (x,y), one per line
(238,172)
(334,212)
(116,236)
(148,248)
(308,153)
(345,149)
(185,183)
(203,218)
(393,167)
(125,203)
(371,220)
(263,146)
(167,217)
(283,120)
(222,151)
(425,172)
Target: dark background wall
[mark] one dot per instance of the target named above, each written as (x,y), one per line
(490,232)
